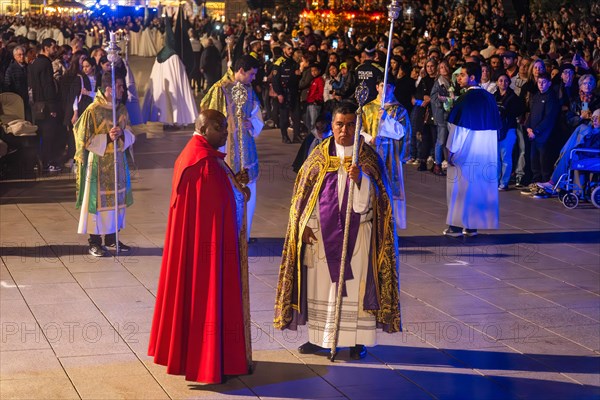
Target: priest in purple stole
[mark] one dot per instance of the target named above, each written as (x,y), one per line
(309,273)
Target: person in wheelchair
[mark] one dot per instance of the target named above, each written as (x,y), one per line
(584,136)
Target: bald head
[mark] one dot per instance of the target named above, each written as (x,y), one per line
(212,125)
(206,116)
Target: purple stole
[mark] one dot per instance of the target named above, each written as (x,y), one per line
(333,219)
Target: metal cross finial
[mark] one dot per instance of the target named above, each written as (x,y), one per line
(361,93)
(394,9)
(240,95)
(112,50)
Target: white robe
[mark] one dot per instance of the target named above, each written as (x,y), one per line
(102,222)
(147,47)
(21,31)
(133,100)
(356,325)
(256,120)
(58,36)
(169,97)
(134,42)
(392,129)
(89,40)
(472,182)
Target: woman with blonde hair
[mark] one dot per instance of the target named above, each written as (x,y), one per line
(441,97)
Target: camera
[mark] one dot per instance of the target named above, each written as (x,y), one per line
(334,44)
(267,36)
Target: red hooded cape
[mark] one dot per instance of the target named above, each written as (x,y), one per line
(198,325)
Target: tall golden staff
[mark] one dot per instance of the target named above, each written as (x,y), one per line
(361,94)
(240,97)
(393,13)
(239,93)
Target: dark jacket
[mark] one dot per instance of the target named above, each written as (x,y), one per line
(405,89)
(304,84)
(210,63)
(369,72)
(70,88)
(285,80)
(543,116)
(15,81)
(574,113)
(42,83)
(346,90)
(85,101)
(511,107)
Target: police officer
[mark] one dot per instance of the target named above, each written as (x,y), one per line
(369,71)
(285,85)
(258,84)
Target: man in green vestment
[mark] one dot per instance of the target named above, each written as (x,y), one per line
(219,97)
(95,139)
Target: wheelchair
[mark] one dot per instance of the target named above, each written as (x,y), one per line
(570,190)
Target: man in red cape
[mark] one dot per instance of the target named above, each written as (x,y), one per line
(198,325)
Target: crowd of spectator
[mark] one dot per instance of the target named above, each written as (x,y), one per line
(540,66)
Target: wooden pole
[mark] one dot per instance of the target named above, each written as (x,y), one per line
(361,94)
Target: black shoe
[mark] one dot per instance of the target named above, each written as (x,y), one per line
(297,139)
(309,348)
(96,250)
(437,170)
(286,140)
(422,166)
(122,247)
(469,232)
(358,352)
(519,182)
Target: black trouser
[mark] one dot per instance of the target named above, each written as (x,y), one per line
(426,145)
(109,239)
(417,120)
(285,110)
(275,111)
(541,163)
(269,103)
(70,142)
(53,142)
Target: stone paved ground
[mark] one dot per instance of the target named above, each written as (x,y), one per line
(508,314)
(513,313)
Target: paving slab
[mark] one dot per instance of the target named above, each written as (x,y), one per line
(512,313)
